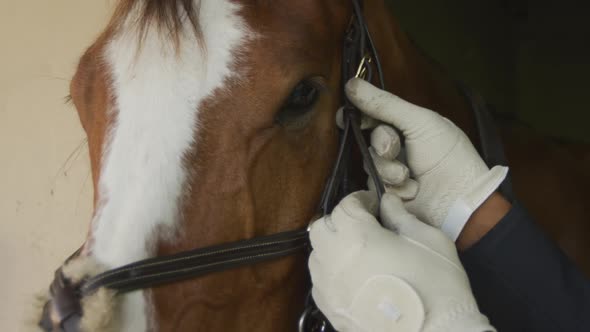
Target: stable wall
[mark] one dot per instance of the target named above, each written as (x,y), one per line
(45,189)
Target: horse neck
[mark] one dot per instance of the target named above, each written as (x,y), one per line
(411,75)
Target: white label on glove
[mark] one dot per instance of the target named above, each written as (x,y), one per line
(390,310)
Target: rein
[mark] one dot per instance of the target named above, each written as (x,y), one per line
(63,311)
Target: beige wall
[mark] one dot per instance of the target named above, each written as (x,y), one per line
(45,196)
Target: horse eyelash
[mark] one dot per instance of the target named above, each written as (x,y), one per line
(319,83)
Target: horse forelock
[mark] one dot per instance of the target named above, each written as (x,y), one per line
(169,16)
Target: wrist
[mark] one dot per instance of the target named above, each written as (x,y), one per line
(471,192)
(483,220)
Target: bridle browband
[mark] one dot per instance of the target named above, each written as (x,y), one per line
(63,311)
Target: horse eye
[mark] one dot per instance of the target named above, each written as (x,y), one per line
(300,102)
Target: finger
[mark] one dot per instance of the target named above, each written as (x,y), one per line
(392,172)
(321,271)
(332,234)
(360,204)
(327,241)
(386,142)
(355,215)
(395,216)
(406,191)
(324,274)
(385,106)
(367,122)
(328,302)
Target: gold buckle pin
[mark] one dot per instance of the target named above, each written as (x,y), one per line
(361,72)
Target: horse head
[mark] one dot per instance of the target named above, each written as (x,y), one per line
(213,121)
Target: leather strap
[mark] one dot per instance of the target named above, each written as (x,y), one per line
(190,264)
(358,44)
(63,312)
(490,143)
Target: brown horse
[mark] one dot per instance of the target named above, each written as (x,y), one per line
(212,121)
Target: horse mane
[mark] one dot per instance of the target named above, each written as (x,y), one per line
(168,16)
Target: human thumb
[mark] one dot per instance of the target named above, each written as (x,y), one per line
(385,106)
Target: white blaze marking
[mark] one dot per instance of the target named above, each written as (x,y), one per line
(157,94)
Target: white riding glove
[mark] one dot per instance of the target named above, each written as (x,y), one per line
(367,278)
(453,180)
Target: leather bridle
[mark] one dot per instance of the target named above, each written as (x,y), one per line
(358,55)
(359,59)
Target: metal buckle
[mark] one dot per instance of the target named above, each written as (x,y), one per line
(361,72)
(304,319)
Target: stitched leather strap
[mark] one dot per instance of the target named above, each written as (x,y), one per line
(358,43)
(166,269)
(63,311)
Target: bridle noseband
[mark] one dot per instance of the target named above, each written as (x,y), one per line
(63,310)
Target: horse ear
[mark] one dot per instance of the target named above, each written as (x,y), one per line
(412,75)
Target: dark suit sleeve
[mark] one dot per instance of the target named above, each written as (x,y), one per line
(523,282)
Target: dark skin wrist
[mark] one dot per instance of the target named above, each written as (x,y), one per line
(483,220)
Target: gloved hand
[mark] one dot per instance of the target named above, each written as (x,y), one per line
(453,179)
(367,278)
